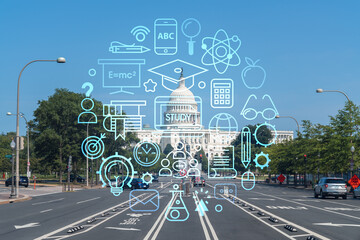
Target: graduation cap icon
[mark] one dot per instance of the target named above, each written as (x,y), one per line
(170,74)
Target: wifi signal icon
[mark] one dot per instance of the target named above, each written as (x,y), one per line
(140,33)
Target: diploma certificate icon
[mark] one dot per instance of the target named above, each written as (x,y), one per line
(223,166)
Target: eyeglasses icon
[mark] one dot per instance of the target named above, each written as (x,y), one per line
(268,113)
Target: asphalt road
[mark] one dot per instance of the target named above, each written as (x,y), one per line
(227,216)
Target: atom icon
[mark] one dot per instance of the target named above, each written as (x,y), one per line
(222,52)
(93,147)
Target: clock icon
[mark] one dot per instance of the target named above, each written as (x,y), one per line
(146,153)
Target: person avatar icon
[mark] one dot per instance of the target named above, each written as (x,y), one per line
(194,170)
(87,104)
(165,170)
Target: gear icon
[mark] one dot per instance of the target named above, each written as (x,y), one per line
(274,137)
(262,165)
(147,174)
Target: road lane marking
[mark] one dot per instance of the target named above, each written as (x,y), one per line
(161,218)
(337,224)
(342,209)
(87,200)
(28,225)
(126,229)
(301,235)
(47,210)
(206,232)
(275,216)
(287,207)
(311,206)
(268,199)
(49,235)
(56,200)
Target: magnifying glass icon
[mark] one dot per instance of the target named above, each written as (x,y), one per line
(191,28)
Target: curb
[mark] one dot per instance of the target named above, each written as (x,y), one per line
(25,198)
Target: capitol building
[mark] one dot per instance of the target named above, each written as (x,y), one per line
(178,119)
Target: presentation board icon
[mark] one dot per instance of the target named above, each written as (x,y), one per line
(170,120)
(165,36)
(222,93)
(119,122)
(121,73)
(176,71)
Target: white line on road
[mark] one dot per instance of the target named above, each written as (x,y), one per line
(28,225)
(206,232)
(337,224)
(208,223)
(47,210)
(269,199)
(56,200)
(307,205)
(87,200)
(126,229)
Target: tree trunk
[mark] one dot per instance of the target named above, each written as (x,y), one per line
(60,170)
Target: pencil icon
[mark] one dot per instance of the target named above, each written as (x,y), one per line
(245,146)
(118,47)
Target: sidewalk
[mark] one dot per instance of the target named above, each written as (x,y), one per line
(4,198)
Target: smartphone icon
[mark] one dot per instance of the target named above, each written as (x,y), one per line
(165,36)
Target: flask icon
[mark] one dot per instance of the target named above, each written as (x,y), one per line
(177,211)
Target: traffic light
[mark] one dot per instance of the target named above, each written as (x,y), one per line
(305,158)
(200,158)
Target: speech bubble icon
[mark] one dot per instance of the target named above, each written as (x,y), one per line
(90,86)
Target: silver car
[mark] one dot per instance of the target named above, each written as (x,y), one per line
(357,192)
(330,186)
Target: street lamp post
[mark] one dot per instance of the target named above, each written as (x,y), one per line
(59,60)
(297,123)
(28,142)
(320,90)
(352,149)
(12,145)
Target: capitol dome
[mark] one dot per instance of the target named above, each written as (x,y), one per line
(182,102)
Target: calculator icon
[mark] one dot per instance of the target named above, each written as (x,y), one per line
(222,93)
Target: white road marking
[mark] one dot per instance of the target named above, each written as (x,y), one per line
(310,206)
(47,210)
(206,232)
(87,200)
(301,235)
(161,218)
(342,209)
(126,229)
(269,199)
(337,224)
(84,219)
(306,200)
(273,215)
(287,207)
(56,200)
(28,225)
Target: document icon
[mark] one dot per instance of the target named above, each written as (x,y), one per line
(139,204)
(222,165)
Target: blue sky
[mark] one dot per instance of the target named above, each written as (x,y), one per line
(302,45)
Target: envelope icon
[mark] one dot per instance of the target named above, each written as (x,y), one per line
(139,204)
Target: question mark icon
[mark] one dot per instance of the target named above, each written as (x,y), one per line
(91,88)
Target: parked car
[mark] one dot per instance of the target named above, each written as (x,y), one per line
(155,178)
(23,181)
(356,192)
(136,183)
(79,178)
(330,186)
(198,181)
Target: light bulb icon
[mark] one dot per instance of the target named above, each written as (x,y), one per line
(116,171)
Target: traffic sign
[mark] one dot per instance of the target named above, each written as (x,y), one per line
(8,156)
(354,181)
(281,178)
